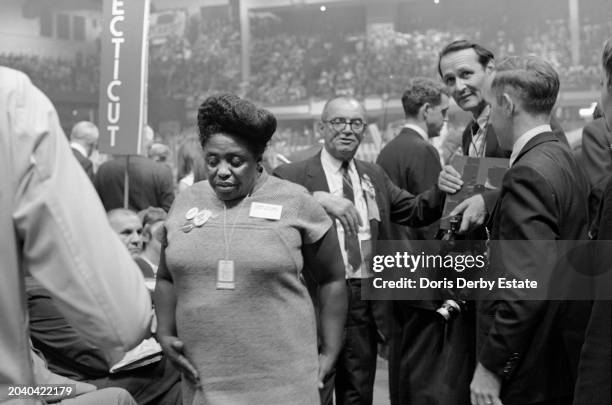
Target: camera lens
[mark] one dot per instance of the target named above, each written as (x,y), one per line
(449,310)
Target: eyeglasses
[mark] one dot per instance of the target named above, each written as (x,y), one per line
(339,124)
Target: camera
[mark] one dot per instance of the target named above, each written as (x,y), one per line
(450,310)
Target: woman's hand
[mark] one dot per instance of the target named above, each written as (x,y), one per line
(326,364)
(175,350)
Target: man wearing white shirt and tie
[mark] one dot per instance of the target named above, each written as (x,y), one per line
(363,201)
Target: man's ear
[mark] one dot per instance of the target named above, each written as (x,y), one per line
(321,127)
(146,235)
(508,104)
(424,111)
(490,67)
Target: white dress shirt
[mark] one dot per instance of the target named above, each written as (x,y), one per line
(333,174)
(79,147)
(418,130)
(478,144)
(523,139)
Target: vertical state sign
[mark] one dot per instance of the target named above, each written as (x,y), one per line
(123,68)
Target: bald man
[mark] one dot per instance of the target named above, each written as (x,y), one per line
(83,141)
(128,226)
(364,201)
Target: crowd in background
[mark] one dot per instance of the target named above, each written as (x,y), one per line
(291,67)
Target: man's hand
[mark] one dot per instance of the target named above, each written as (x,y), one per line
(175,350)
(449,180)
(474,212)
(340,208)
(485,387)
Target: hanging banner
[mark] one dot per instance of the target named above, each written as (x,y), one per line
(166,24)
(123,75)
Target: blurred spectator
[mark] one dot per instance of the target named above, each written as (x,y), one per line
(148,260)
(291,67)
(159,152)
(190,163)
(83,141)
(150,182)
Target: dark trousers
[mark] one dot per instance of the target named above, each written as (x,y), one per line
(430,362)
(356,365)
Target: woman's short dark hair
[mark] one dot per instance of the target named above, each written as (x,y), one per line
(232,115)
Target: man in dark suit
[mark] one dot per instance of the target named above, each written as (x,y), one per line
(83,140)
(410,160)
(419,345)
(150,183)
(528,350)
(594,384)
(364,201)
(596,160)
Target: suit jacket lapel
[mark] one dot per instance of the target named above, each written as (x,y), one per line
(315,176)
(491,139)
(361,171)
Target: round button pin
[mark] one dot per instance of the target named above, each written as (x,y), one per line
(201,218)
(191,213)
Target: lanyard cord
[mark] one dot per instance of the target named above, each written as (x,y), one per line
(479,152)
(226,240)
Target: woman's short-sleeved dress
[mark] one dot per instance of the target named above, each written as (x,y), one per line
(255,344)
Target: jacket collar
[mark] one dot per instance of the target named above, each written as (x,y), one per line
(535,141)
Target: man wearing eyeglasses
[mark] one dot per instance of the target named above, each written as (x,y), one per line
(363,201)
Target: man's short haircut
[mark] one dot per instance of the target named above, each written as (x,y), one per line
(151,215)
(533,80)
(484,55)
(419,91)
(120,212)
(159,152)
(606,62)
(83,130)
(346,99)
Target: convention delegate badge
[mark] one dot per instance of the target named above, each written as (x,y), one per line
(201,218)
(187,226)
(373,212)
(191,214)
(266,211)
(225,275)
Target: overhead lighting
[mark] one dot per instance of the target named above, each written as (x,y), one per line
(436,1)
(323,8)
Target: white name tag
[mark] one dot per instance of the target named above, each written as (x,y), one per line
(225,275)
(266,211)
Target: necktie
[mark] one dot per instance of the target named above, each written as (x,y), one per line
(475,144)
(351,242)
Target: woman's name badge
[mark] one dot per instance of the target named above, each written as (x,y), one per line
(266,211)
(225,275)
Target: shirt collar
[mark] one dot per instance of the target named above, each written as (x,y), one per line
(418,130)
(526,137)
(79,147)
(483,118)
(332,164)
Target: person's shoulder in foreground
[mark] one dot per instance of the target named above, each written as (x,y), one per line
(56,230)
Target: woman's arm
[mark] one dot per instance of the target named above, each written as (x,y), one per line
(325,261)
(165,308)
